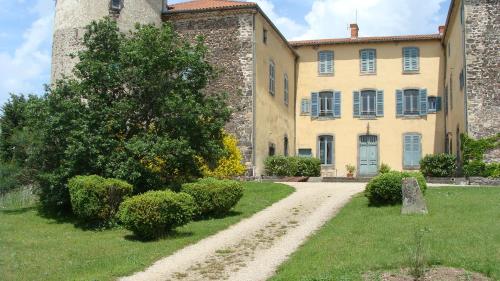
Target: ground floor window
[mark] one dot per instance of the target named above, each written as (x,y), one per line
(325,150)
(272,149)
(285,146)
(412,151)
(305,152)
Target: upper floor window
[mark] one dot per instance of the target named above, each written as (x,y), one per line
(325,62)
(116,5)
(411,59)
(305,152)
(368,61)
(411,102)
(433,104)
(325,104)
(412,150)
(272,78)
(368,103)
(304,107)
(286,91)
(264,36)
(325,150)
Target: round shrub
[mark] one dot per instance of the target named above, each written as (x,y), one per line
(387,188)
(280,166)
(96,199)
(214,197)
(438,165)
(308,167)
(152,214)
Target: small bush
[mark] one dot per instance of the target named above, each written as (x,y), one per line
(292,166)
(230,165)
(96,199)
(8,177)
(308,167)
(493,170)
(384,168)
(438,165)
(152,214)
(387,187)
(475,168)
(214,197)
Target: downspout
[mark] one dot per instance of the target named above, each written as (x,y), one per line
(254,97)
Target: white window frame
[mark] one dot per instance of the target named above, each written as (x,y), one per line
(417,109)
(323,142)
(368,113)
(325,104)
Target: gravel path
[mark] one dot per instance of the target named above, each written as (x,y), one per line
(253,249)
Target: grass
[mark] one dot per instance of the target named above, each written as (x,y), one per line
(37,248)
(462,231)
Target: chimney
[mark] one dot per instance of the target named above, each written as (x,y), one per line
(354,30)
(442,28)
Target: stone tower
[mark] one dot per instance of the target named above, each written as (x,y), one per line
(72,16)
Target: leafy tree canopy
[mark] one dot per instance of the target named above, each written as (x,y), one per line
(135,110)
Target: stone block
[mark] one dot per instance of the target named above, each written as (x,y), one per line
(413,199)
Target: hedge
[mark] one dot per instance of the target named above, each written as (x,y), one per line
(292,166)
(386,188)
(438,165)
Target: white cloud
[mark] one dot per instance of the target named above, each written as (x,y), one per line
(287,26)
(330,18)
(28,66)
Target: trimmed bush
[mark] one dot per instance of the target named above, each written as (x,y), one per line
(154,213)
(283,166)
(438,165)
(214,197)
(387,187)
(96,199)
(308,167)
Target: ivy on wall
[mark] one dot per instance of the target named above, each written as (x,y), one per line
(473,155)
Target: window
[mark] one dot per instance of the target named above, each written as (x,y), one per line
(411,106)
(368,103)
(285,146)
(368,61)
(272,78)
(304,107)
(462,80)
(411,59)
(450,101)
(325,64)
(305,152)
(285,87)
(412,151)
(272,149)
(446,100)
(434,104)
(411,102)
(116,5)
(264,36)
(325,104)
(325,150)
(449,49)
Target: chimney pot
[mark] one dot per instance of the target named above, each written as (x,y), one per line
(442,28)
(354,30)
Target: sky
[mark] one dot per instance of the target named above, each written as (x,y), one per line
(26,29)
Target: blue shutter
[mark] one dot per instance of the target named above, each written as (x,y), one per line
(423,101)
(336,105)
(399,103)
(380,103)
(416,151)
(407,151)
(314,105)
(356,104)
(438,104)
(406,59)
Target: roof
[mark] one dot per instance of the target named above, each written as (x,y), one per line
(365,40)
(208,5)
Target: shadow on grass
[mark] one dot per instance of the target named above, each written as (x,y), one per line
(219,216)
(17,211)
(171,235)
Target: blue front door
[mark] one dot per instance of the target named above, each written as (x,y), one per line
(368,155)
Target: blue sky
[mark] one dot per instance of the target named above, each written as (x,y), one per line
(26,29)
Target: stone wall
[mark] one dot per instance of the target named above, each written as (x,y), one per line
(482,47)
(229,37)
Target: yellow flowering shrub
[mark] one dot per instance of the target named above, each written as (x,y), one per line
(228,166)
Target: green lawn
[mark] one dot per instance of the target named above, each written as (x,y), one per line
(463,230)
(36,248)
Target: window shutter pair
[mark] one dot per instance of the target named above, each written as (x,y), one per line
(411,59)
(325,62)
(412,150)
(357,103)
(368,60)
(337,107)
(400,102)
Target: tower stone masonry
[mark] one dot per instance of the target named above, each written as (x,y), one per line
(71,17)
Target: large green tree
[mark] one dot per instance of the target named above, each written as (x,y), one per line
(135,110)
